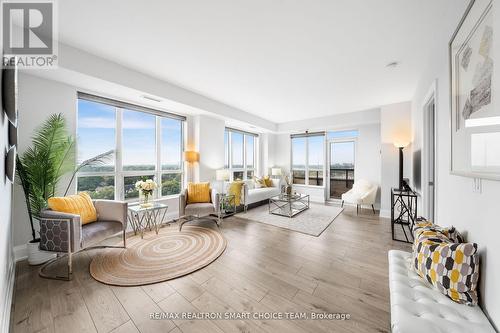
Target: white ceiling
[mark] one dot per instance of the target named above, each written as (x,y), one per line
(282,60)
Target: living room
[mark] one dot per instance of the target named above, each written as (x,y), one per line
(250,166)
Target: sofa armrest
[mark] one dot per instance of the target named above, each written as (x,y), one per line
(215,199)
(74,223)
(244,197)
(182,202)
(111,210)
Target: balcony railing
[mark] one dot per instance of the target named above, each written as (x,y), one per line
(341,180)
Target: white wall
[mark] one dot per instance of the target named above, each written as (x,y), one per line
(473,213)
(368,155)
(209,142)
(6,255)
(395,126)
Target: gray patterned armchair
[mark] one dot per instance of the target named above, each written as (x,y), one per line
(64,233)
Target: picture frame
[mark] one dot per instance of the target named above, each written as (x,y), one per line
(474,93)
(10,93)
(10,163)
(12,135)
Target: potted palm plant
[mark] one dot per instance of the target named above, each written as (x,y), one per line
(39,170)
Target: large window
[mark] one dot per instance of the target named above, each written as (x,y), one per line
(149,144)
(308,159)
(240,154)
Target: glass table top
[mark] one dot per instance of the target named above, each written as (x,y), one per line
(286,197)
(138,208)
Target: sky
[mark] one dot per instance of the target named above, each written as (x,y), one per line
(237,147)
(96,134)
(342,152)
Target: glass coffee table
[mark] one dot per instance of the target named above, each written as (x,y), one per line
(288,205)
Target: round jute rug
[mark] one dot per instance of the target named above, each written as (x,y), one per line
(157,258)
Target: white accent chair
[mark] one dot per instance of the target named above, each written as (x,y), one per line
(363,192)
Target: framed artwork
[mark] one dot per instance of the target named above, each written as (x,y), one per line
(10,163)
(474,82)
(9,93)
(12,135)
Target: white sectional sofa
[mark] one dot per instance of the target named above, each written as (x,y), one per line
(252,195)
(417,307)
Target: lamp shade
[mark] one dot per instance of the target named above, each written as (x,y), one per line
(191,156)
(400,144)
(275,171)
(222,174)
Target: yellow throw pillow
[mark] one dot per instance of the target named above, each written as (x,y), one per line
(260,181)
(198,193)
(235,189)
(79,204)
(268,181)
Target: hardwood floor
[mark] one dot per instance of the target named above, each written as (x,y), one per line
(264,269)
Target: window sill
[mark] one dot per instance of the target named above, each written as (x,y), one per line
(167,197)
(308,186)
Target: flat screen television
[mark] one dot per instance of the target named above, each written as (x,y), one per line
(417,170)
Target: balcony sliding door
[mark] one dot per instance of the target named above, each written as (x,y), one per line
(342,164)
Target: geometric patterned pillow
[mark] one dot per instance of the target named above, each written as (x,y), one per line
(451,267)
(450,233)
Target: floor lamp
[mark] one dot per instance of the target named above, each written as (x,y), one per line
(222,175)
(400,146)
(191,157)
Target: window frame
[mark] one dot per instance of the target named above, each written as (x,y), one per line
(306,169)
(119,174)
(229,150)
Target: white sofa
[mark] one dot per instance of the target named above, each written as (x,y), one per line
(417,307)
(252,195)
(363,192)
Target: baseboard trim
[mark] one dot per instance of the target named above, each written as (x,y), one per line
(7,302)
(385,213)
(20,252)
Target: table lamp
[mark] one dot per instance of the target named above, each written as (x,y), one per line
(276,172)
(222,175)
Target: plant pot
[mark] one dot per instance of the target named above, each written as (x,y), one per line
(36,256)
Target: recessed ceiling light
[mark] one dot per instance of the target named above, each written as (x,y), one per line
(393,64)
(154,99)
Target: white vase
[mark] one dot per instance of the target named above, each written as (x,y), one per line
(37,256)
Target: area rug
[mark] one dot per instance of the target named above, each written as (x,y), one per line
(157,258)
(312,221)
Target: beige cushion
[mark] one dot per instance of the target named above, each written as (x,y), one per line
(96,232)
(200,209)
